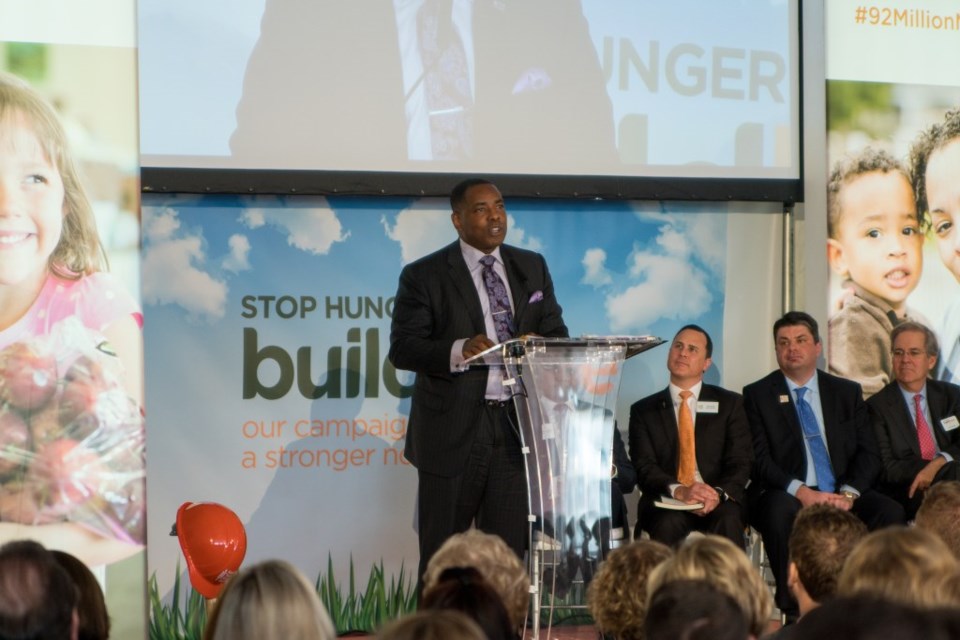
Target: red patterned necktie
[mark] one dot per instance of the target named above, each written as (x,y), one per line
(928,449)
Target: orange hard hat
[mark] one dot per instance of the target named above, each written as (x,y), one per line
(214,543)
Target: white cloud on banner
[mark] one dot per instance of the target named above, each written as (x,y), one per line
(425,226)
(313,229)
(238,260)
(672,278)
(594,268)
(172,261)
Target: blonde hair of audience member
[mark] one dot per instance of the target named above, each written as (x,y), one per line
(724,565)
(617,596)
(496,562)
(432,625)
(271,599)
(900,564)
(940,513)
(820,541)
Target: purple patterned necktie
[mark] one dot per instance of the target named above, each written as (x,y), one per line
(446,82)
(499,303)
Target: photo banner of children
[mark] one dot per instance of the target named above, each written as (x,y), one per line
(893,120)
(71,368)
(267,330)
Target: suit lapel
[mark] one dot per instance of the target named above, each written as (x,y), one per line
(937,403)
(829,408)
(517,280)
(463,283)
(900,418)
(668,424)
(703,425)
(788,410)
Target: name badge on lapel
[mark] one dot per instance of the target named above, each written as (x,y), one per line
(784,399)
(949,424)
(705,406)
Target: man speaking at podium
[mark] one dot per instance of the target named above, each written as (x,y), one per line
(463,435)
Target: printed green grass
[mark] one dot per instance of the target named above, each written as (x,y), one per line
(382,600)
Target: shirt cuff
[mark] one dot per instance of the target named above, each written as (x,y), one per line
(456,356)
(947,456)
(672,488)
(847,487)
(793,487)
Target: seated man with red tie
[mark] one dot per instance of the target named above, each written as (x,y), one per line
(691,442)
(916,419)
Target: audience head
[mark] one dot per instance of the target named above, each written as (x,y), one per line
(822,538)
(432,625)
(725,566)
(37,597)
(617,596)
(906,565)
(940,513)
(694,610)
(94,623)
(464,589)
(866,617)
(496,562)
(271,599)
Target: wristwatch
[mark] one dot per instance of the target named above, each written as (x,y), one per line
(849,495)
(721,494)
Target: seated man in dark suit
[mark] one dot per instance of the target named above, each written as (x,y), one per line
(709,423)
(812,442)
(915,419)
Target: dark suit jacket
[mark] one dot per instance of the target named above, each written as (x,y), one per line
(436,305)
(348,102)
(897,436)
(722,442)
(624,483)
(779,454)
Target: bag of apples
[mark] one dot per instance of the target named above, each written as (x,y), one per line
(71,437)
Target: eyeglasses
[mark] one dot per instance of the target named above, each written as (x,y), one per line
(913,353)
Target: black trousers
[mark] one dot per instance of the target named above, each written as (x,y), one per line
(491,492)
(672,527)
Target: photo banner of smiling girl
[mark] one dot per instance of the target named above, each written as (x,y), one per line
(893,106)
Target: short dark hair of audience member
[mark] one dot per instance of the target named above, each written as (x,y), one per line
(94,623)
(694,610)
(271,599)
(37,597)
(940,513)
(725,566)
(464,589)
(820,541)
(490,555)
(432,625)
(617,596)
(866,617)
(906,565)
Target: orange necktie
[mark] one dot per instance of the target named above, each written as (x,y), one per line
(688,454)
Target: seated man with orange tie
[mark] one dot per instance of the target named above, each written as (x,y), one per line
(916,419)
(691,442)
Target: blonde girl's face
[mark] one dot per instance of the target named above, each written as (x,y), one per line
(943,198)
(31,204)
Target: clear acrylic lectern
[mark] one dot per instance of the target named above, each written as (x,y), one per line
(565,393)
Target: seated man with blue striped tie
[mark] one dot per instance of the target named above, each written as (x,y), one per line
(813,443)
(916,420)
